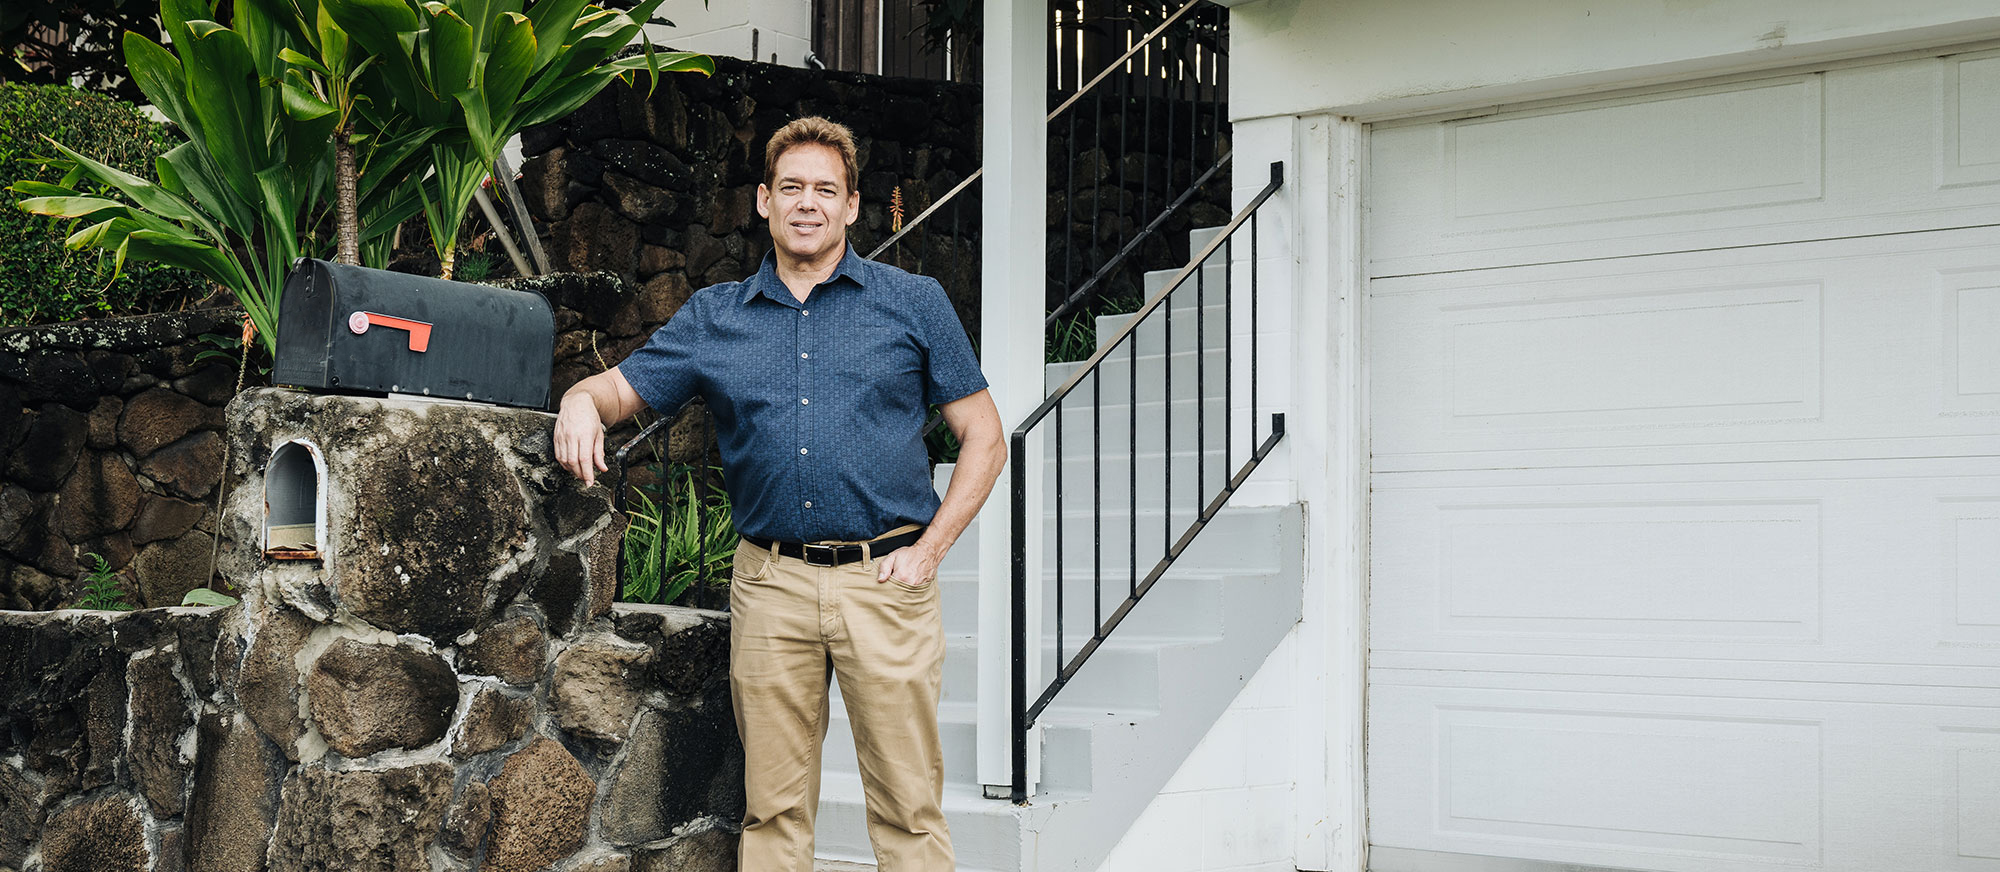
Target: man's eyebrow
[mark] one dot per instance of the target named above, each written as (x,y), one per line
(799,181)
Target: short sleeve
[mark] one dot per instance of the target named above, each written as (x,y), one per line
(663,371)
(951,369)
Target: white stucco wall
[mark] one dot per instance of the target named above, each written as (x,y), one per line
(1229,807)
(1373,58)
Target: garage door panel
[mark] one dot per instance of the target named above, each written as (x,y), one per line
(1972,782)
(1970,146)
(1875,562)
(1819,350)
(1892,147)
(1685,479)
(1680,783)
(1972,341)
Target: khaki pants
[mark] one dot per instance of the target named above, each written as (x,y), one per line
(790,623)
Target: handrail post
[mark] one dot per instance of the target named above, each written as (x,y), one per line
(1013,276)
(1017,753)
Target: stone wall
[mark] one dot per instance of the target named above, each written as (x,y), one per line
(115,450)
(448,687)
(115,447)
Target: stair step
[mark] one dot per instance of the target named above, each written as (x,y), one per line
(1067,732)
(1113,376)
(1113,425)
(1211,276)
(986,834)
(1234,542)
(1213,325)
(1181,604)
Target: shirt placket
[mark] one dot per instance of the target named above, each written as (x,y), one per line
(807,507)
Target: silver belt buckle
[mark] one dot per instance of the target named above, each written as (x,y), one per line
(832,553)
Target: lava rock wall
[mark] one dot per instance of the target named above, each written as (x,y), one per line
(110,444)
(449,687)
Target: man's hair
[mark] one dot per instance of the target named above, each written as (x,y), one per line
(813,130)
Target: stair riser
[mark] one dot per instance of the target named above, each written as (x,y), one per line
(1114,378)
(1118,677)
(1109,429)
(1177,606)
(1189,333)
(1113,481)
(1212,279)
(1232,543)
(841,831)
(959,740)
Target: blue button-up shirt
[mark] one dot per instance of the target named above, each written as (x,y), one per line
(819,406)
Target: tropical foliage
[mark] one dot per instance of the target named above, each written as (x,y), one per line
(384,107)
(467,75)
(672,545)
(40,280)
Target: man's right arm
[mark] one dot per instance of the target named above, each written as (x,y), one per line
(593,404)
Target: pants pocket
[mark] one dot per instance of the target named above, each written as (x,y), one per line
(751,564)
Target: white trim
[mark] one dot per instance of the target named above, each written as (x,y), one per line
(1642,87)
(1329,463)
(1014,257)
(1295,37)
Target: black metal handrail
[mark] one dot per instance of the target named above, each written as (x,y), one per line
(1087,291)
(1143,45)
(1023,711)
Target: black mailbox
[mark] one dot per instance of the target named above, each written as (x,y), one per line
(350,328)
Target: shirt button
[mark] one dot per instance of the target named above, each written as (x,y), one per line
(802,451)
(804,312)
(804,355)
(804,402)
(809,504)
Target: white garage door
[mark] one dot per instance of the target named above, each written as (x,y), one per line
(1686,479)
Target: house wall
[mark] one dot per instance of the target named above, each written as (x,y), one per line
(1372,59)
(773,31)
(1229,806)
(1306,74)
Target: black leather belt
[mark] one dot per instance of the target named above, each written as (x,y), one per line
(835,555)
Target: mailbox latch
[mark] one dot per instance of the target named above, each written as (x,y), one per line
(420,331)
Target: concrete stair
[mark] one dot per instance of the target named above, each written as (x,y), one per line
(1122,726)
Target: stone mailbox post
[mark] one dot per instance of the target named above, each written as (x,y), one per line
(431,659)
(426,673)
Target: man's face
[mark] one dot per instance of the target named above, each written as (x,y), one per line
(809,204)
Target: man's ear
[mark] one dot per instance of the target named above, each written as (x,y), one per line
(853,206)
(763,200)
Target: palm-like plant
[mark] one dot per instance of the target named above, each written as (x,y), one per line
(232,199)
(393,105)
(472,73)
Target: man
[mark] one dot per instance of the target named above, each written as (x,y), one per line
(818,370)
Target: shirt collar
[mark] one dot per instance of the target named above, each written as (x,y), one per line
(766,280)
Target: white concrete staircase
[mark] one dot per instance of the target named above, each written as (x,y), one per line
(1122,727)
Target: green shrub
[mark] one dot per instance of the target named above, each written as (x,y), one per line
(41,281)
(700,538)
